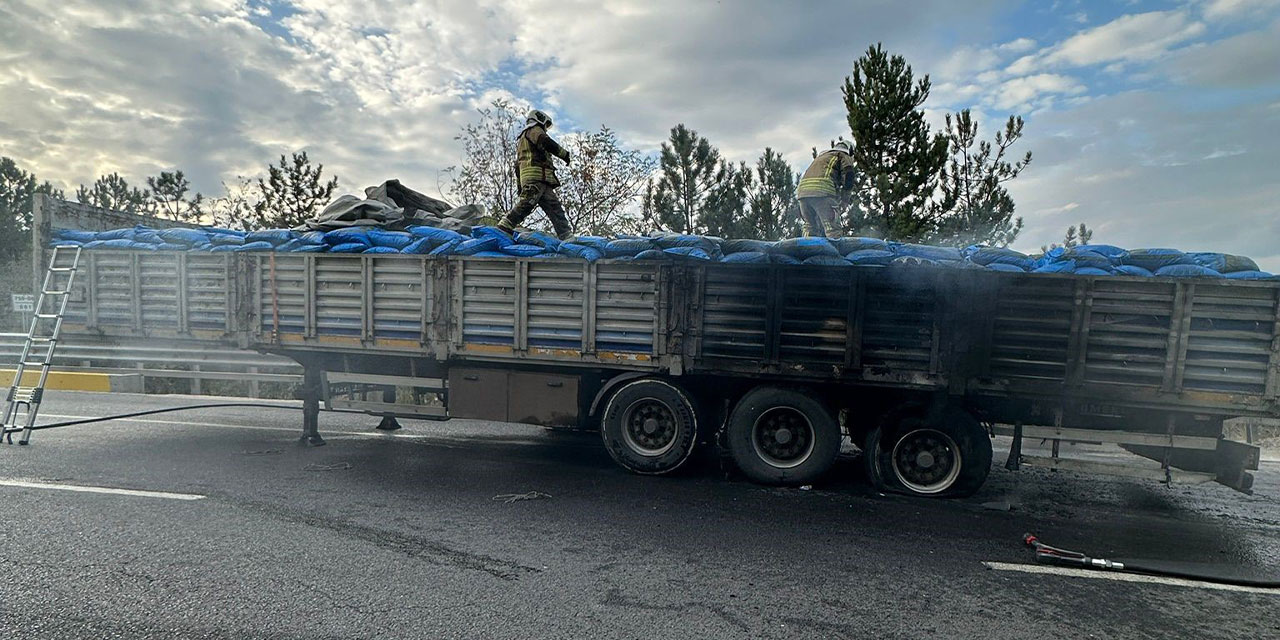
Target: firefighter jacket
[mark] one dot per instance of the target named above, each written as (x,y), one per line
(830,172)
(534,149)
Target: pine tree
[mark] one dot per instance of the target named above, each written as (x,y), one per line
(113,192)
(773,211)
(18,189)
(724,210)
(974,207)
(169,197)
(899,161)
(1074,237)
(292,193)
(690,169)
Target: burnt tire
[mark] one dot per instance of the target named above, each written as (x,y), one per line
(782,436)
(649,426)
(947,458)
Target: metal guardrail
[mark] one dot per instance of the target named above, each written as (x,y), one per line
(149,360)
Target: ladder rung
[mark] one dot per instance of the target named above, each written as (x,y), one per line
(47,316)
(43,339)
(40,363)
(56,292)
(62,269)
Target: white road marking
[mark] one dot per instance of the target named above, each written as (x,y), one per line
(1125,577)
(90,489)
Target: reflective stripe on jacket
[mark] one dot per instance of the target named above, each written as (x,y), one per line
(830,172)
(534,149)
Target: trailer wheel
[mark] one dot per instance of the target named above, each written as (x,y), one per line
(949,458)
(782,436)
(649,426)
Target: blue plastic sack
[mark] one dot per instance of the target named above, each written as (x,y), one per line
(447,248)
(222,248)
(419,246)
(1010,268)
(500,237)
(1091,271)
(348,235)
(166,246)
(489,254)
(116,234)
(545,240)
(437,235)
(801,248)
(782,258)
(275,237)
(348,247)
(999,255)
(114,243)
(1084,259)
(692,253)
(390,239)
(225,240)
(1153,259)
(675,241)
(475,245)
(1132,270)
(1113,253)
(220,231)
(1187,271)
(746,257)
(590,254)
(376,249)
(309,248)
(1056,266)
(652,254)
(626,248)
(260,245)
(522,250)
(914,261)
(745,246)
(828,261)
(77,235)
(1249,275)
(189,237)
(927,252)
(845,246)
(870,256)
(1223,262)
(595,242)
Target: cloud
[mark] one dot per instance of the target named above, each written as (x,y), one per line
(1246,60)
(1129,38)
(1230,9)
(1023,92)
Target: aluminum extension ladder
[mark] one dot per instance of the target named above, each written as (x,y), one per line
(23,403)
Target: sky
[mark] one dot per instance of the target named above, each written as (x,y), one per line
(1157,123)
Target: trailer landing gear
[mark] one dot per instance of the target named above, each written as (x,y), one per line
(311,391)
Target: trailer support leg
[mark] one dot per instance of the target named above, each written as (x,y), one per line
(389,422)
(311,390)
(1015,449)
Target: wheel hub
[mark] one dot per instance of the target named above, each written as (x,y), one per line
(650,427)
(926,461)
(783,437)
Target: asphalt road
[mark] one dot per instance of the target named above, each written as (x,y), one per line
(392,536)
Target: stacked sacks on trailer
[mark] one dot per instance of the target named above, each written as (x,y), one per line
(490,242)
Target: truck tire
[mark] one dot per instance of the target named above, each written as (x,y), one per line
(782,436)
(649,426)
(946,459)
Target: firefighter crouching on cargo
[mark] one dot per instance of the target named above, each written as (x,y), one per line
(536,176)
(819,190)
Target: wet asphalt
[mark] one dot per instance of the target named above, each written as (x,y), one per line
(414,535)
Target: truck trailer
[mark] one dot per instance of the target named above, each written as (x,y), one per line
(776,364)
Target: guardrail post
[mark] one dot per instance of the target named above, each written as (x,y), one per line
(196,387)
(254,390)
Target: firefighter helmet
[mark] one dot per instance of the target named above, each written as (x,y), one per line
(843,145)
(540,117)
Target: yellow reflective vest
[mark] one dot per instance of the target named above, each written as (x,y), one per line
(534,149)
(830,172)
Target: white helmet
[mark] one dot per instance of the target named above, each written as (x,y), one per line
(537,116)
(843,145)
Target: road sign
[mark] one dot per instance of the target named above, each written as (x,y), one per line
(24,302)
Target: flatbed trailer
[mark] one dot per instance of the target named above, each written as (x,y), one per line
(775,363)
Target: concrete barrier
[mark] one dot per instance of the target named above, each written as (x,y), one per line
(79,381)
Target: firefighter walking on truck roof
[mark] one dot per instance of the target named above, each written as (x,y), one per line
(819,190)
(536,175)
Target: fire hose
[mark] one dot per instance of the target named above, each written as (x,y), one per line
(1208,572)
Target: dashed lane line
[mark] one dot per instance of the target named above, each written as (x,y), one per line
(1125,577)
(27,484)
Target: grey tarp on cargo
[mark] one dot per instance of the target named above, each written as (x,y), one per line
(392,205)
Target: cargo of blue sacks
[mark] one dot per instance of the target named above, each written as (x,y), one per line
(1094,259)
